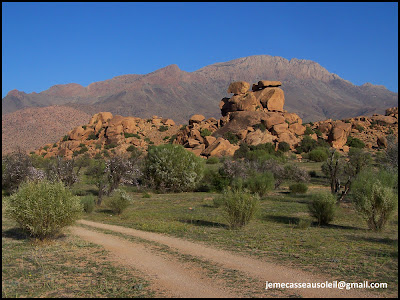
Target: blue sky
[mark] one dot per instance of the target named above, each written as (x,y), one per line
(44,44)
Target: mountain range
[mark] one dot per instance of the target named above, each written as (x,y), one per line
(311,91)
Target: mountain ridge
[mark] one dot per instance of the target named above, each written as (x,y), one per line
(311,91)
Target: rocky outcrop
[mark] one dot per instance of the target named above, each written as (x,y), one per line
(252,117)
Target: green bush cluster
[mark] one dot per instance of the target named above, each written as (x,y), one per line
(354,142)
(205,132)
(43,208)
(172,168)
(298,188)
(231,137)
(163,128)
(128,135)
(118,201)
(109,146)
(318,154)
(260,126)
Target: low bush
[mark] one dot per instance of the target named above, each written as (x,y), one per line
(308,131)
(231,137)
(146,195)
(260,183)
(283,146)
(43,208)
(260,126)
(355,142)
(323,207)
(318,155)
(163,128)
(118,201)
(298,188)
(109,146)
(205,132)
(239,207)
(88,202)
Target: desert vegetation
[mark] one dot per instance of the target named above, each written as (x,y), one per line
(261,200)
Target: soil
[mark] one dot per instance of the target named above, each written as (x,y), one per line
(188,279)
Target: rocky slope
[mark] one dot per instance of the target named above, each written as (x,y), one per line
(312,92)
(252,117)
(31,128)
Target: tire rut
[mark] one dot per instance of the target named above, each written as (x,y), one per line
(168,271)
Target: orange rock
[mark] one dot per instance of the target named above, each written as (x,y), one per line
(238,87)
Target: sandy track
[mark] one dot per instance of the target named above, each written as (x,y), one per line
(183,282)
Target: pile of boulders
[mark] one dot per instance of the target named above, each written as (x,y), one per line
(112,134)
(252,117)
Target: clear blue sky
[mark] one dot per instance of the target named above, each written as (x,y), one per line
(44,44)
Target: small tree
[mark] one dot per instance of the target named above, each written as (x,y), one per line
(97,176)
(332,169)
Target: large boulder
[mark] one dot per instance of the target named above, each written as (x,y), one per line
(339,133)
(196,119)
(258,137)
(290,138)
(271,98)
(221,147)
(272,119)
(238,87)
(101,117)
(297,128)
(244,102)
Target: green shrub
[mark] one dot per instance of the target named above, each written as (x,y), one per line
(375,197)
(312,173)
(354,142)
(212,160)
(65,138)
(172,139)
(318,132)
(109,146)
(163,128)
(231,137)
(283,146)
(118,201)
(306,145)
(93,136)
(43,208)
(128,135)
(322,207)
(359,128)
(205,132)
(260,126)
(84,127)
(88,203)
(239,207)
(172,168)
(260,183)
(146,195)
(166,138)
(298,188)
(308,131)
(318,155)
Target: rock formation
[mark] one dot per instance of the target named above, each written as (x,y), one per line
(252,117)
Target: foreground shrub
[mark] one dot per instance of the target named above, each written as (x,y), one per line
(239,207)
(375,197)
(322,207)
(260,183)
(16,168)
(172,168)
(298,188)
(44,208)
(118,201)
(88,203)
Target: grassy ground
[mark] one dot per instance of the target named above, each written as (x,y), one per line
(66,267)
(281,232)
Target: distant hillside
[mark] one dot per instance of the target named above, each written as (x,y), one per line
(311,91)
(31,128)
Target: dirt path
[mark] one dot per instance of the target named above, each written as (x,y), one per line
(184,280)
